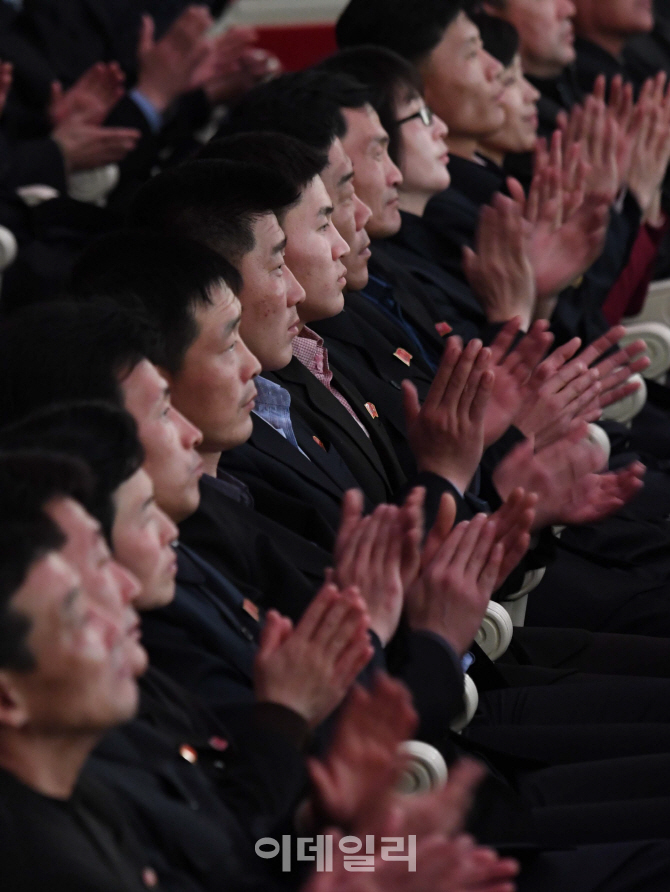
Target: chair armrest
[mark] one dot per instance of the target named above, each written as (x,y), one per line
(495,633)
(656,336)
(517,603)
(425,769)
(93,186)
(599,437)
(656,305)
(8,248)
(626,409)
(471,698)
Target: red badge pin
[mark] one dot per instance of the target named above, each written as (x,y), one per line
(188,753)
(403,356)
(443,329)
(319,443)
(149,877)
(372,410)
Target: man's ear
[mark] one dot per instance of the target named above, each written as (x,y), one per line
(14,711)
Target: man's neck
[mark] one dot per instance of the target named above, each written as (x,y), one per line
(491,153)
(611,43)
(210,462)
(542,71)
(414,202)
(463,147)
(48,764)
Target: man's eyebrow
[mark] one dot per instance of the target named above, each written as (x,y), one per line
(162,397)
(147,503)
(232,325)
(346,179)
(280,247)
(325,211)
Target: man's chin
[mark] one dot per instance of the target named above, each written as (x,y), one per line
(357,281)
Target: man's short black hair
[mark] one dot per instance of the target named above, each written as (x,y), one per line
(500,38)
(50,353)
(28,482)
(298,162)
(413,28)
(304,104)
(161,278)
(213,202)
(388,78)
(101,435)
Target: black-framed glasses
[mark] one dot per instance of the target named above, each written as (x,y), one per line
(425,113)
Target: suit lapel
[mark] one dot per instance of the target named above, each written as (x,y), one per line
(318,469)
(375,426)
(330,419)
(212,598)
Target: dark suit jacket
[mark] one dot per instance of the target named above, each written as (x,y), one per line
(51,41)
(578,312)
(206,641)
(373,366)
(416,300)
(262,774)
(371,459)
(255,553)
(44,844)
(268,464)
(181,811)
(420,250)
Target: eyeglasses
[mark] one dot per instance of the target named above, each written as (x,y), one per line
(425,113)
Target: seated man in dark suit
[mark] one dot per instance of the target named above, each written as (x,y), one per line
(547,49)
(64,667)
(601,40)
(227,541)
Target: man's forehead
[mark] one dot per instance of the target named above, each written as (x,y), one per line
(317,195)
(267,232)
(136,492)
(52,574)
(364,124)
(339,163)
(461,30)
(74,521)
(145,384)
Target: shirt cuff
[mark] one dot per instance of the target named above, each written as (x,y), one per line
(154,117)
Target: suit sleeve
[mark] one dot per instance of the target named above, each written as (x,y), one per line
(25,162)
(432,672)
(181,654)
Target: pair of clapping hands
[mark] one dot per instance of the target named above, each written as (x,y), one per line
(382,567)
(529,248)
(385,566)
(185,58)
(353,791)
(478,393)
